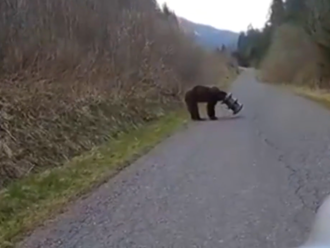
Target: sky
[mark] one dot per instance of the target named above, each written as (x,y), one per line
(234,15)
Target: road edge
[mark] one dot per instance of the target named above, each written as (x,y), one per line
(27,203)
(320,96)
(49,193)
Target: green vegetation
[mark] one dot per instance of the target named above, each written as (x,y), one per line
(293,47)
(74,75)
(85,86)
(314,94)
(27,202)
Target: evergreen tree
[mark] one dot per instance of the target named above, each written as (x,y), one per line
(277,13)
(296,11)
(318,23)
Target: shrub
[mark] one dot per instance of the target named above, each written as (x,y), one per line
(292,57)
(76,73)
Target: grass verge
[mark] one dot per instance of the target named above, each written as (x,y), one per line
(26,203)
(317,95)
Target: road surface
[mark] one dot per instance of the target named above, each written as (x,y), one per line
(251,181)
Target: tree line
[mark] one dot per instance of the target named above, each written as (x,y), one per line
(311,16)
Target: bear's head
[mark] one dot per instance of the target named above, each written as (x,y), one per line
(218,94)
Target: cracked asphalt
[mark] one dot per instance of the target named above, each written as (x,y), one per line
(254,180)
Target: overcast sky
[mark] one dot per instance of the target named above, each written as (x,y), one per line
(233,15)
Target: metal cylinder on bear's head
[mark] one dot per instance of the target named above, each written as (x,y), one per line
(232,104)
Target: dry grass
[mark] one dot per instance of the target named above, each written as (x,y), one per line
(28,202)
(76,74)
(292,58)
(318,95)
(293,61)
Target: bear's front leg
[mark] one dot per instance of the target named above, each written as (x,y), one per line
(211,110)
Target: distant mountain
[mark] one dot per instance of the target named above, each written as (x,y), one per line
(209,36)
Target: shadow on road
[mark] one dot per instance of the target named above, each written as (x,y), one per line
(222,118)
(229,118)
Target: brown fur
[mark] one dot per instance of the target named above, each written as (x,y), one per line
(203,94)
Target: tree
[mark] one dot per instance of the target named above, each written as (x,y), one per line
(166,10)
(317,24)
(277,13)
(296,11)
(169,14)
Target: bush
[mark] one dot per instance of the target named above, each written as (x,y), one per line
(292,58)
(76,73)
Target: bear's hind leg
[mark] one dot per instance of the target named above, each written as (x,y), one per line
(193,110)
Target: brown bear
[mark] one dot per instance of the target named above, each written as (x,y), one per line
(203,94)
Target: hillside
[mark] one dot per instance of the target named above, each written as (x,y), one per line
(83,77)
(78,74)
(209,36)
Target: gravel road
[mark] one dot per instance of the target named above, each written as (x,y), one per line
(255,180)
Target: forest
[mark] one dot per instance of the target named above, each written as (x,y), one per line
(293,46)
